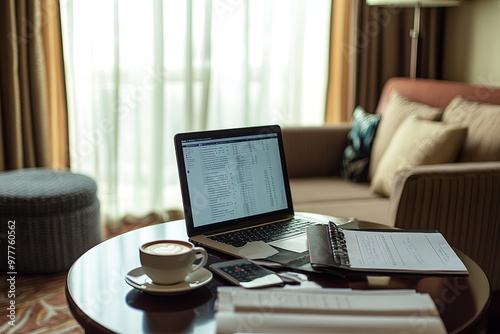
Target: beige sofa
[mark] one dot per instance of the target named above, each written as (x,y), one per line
(460,198)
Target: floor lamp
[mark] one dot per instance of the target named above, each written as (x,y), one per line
(415,32)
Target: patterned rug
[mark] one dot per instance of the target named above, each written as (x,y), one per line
(40,306)
(40,300)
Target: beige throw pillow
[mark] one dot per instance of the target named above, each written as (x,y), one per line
(483,124)
(398,108)
(417,142)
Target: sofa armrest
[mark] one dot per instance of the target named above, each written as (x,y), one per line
(461,200)
(315,151)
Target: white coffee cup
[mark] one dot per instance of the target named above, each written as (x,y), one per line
(171,261)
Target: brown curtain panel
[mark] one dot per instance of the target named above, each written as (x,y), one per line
(340,90)
(383,48)
(32,93)
(55,83)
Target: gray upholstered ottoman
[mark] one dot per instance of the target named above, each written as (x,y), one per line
(48,218)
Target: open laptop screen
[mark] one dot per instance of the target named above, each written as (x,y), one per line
(232,176)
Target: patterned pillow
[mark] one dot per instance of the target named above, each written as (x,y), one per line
(357,152)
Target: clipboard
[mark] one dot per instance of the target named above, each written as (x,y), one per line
(382,251)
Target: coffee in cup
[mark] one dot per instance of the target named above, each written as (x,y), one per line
(167,248)
(171,261)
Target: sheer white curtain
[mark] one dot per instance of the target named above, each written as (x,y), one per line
(140,71)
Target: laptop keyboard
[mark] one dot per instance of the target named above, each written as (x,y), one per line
(266,233)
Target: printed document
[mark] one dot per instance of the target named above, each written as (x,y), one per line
(401,251)
(326,311)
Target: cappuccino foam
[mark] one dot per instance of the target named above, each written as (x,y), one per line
(167,248)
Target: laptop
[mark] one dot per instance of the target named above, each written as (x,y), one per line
(234,182)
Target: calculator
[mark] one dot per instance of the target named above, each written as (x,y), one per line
(247,274)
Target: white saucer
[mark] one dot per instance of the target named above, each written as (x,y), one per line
(139,280)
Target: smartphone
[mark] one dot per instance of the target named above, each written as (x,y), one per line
(247,274)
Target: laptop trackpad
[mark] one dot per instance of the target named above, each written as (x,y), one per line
(257,250)
(296,244)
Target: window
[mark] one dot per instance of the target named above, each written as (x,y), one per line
(140,71)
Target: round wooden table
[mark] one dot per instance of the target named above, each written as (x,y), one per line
(101,300)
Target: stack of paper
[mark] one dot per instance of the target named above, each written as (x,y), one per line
(326,311)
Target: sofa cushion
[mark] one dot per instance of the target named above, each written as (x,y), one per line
(483,123)
(339,197)
(397,109)
(417,142)
(371,210)
(357,152)
(314,189)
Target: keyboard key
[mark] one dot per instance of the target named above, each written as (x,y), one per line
(266,233)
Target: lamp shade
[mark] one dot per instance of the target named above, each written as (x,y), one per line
(413,3)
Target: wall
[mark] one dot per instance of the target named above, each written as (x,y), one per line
(472,43)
